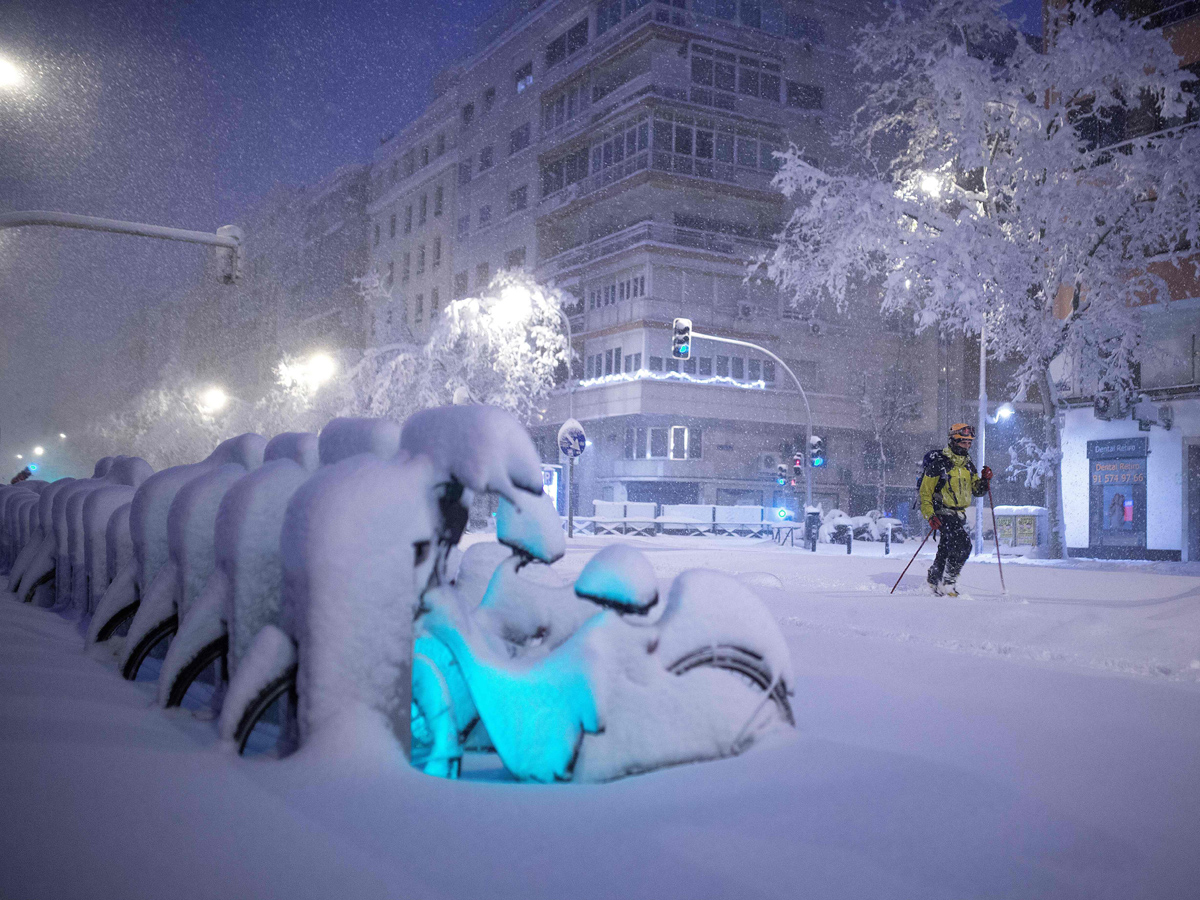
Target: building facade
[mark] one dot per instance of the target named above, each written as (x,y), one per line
(624,150)
(1131,464)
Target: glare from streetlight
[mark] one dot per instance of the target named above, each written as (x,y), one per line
(213,400)
(61,436)
(931,184)
(514,305)
(10,75)
(319,369)
(19,456)
(39,450)
(1005,411)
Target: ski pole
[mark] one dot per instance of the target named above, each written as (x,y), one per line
(996,535)
(910,562)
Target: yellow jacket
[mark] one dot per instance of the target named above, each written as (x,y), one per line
(949,483)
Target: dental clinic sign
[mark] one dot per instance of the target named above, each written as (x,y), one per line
(1117,492)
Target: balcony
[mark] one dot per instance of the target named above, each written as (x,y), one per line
(655,233)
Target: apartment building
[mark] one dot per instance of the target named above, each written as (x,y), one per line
(624,150)
(1131,465)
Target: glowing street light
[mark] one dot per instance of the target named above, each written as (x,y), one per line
(19,456)
(39,450)
(931,184)
(213,400)
(319,369)
(1003,413)
(61,436)
(10,75)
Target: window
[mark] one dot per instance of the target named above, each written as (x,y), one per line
(608,362)
(433,304)
(468,113)
(392,226)
(617,360)
(768,372)
(723,366)
(485,158)
(460,285)
(689,366)
(564,107)
(420,315)
(485,216)
(672,364)
(408,219)
(705,367)
(658,442)
(515,259)
(438,198)
(805,96)
(424,156)
(523,77)
(569,169)
(409,163)
(608,14)
(556,51)
(405,266)
(695,442)
(482,276)
(655,363)
(518,139)
(577,37)
(422,209)
(518,199)
(739,368)
(755,370)
(464,171)
(376,234)
(437,252)
(439,146)
(489,99)
(391,275)
(420,259)
(464,225)
(679,436)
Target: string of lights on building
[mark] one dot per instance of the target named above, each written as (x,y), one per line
(647,375)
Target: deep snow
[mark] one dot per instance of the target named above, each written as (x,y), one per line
(1042,744)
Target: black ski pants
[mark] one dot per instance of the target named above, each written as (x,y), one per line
(954,546)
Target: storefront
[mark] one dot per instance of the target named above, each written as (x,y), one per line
(1132,490)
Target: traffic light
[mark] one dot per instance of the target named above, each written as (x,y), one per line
(798,466)
(230,259)
(817,451)
(781,474)
(681,339)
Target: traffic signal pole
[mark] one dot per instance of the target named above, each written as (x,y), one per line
(228,237)
(803,396)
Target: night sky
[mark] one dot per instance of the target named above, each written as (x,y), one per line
(180,113)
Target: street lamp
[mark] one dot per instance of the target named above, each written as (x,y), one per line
(931,184)
(19,456)
(213,401)
(1003,414)
(515,304)
(10,75)
(319,369)
(61,436)
(39,450)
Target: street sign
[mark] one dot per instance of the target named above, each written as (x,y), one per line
(571,439)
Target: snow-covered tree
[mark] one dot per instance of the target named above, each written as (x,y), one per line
(981,199)
(504,349)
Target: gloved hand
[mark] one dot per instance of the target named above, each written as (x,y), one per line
(934,523)
(986,473)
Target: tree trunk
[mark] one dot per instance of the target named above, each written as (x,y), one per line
(881,492)
(1053,480)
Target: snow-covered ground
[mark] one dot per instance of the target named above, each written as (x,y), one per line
(1040,744)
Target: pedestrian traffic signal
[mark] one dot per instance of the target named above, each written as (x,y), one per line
(681,339)
(816,451)
(798,466)
(781,474)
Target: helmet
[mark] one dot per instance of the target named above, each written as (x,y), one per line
(962,433)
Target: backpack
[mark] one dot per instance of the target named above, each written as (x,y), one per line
(931,462)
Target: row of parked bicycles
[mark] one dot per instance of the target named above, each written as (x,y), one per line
(317,580)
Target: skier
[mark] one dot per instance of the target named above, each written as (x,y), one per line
(948,484)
